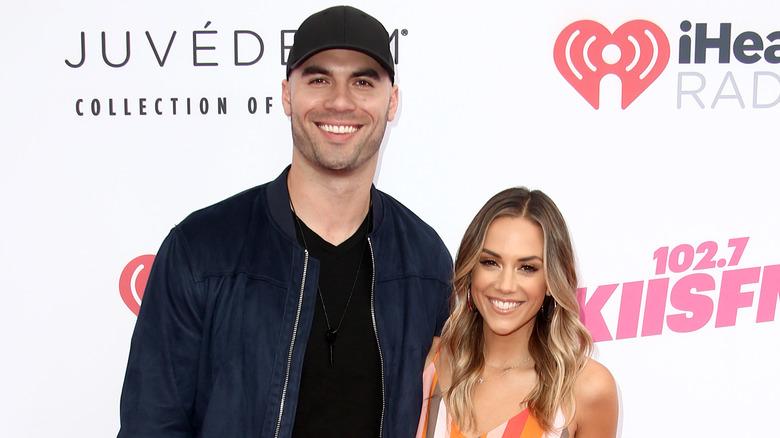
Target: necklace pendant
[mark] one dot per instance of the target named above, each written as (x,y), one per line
(332,340)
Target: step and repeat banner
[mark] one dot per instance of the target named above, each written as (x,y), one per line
(653,125)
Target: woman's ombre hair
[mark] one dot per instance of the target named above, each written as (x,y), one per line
(560,346)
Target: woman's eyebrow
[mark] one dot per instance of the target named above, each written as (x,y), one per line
(521,259)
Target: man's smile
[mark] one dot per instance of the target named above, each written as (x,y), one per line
(338,129)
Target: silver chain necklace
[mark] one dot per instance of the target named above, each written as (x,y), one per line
(506,370)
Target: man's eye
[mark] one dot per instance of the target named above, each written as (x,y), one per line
(363,83)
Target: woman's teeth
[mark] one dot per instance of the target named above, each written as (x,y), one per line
(505,305)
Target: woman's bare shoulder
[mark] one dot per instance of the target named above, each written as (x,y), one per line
(595,393)
(595,383)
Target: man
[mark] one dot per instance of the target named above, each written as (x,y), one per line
(305,306)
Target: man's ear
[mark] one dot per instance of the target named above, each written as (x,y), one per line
(286,97)
(393,106)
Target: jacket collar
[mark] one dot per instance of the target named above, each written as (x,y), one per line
(279,205)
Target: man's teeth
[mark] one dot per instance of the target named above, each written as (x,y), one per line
(505,305)
(339,129)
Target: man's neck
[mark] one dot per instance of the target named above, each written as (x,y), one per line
(332,204)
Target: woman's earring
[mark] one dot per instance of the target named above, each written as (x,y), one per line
(468,300)
(548,308)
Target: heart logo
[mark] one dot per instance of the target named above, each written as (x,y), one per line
(132,281)
(579,56)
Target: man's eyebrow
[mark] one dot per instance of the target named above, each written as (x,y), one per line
(366,72)
(315,70)
(319,70)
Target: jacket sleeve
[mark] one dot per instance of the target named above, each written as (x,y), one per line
(158,396)
(445,292)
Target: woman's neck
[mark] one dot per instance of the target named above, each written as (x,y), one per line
(507,350)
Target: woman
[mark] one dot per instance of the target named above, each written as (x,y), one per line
(513,359)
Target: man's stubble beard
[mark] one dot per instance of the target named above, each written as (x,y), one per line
(361,153)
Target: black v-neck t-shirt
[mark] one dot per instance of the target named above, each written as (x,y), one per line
(343,399)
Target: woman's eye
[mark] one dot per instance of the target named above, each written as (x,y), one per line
(488,262)
(528,268)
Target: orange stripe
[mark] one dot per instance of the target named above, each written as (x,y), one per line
(430,395)
(532,429)
(455,431)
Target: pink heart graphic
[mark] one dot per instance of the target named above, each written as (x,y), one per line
(578,54)
(132,281)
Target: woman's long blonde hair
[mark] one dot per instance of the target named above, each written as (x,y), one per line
(559,346)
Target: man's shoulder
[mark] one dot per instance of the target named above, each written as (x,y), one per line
(215,237)
(226,214)
(399,215)
(412,235)
(221,230)
(239,212)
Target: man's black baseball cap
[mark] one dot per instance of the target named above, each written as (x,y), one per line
(341,27)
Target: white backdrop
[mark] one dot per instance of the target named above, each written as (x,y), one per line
(483,107)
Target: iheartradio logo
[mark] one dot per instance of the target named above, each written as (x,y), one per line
(132,281)
(586,51)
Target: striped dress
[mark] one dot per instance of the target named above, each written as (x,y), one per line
(435,421)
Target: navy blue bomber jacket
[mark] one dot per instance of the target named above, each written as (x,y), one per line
(219,343)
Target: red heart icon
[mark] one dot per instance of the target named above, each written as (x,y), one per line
(132,281)
(644,53)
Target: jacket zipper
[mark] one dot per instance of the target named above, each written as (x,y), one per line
(376,334)
(292,343)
